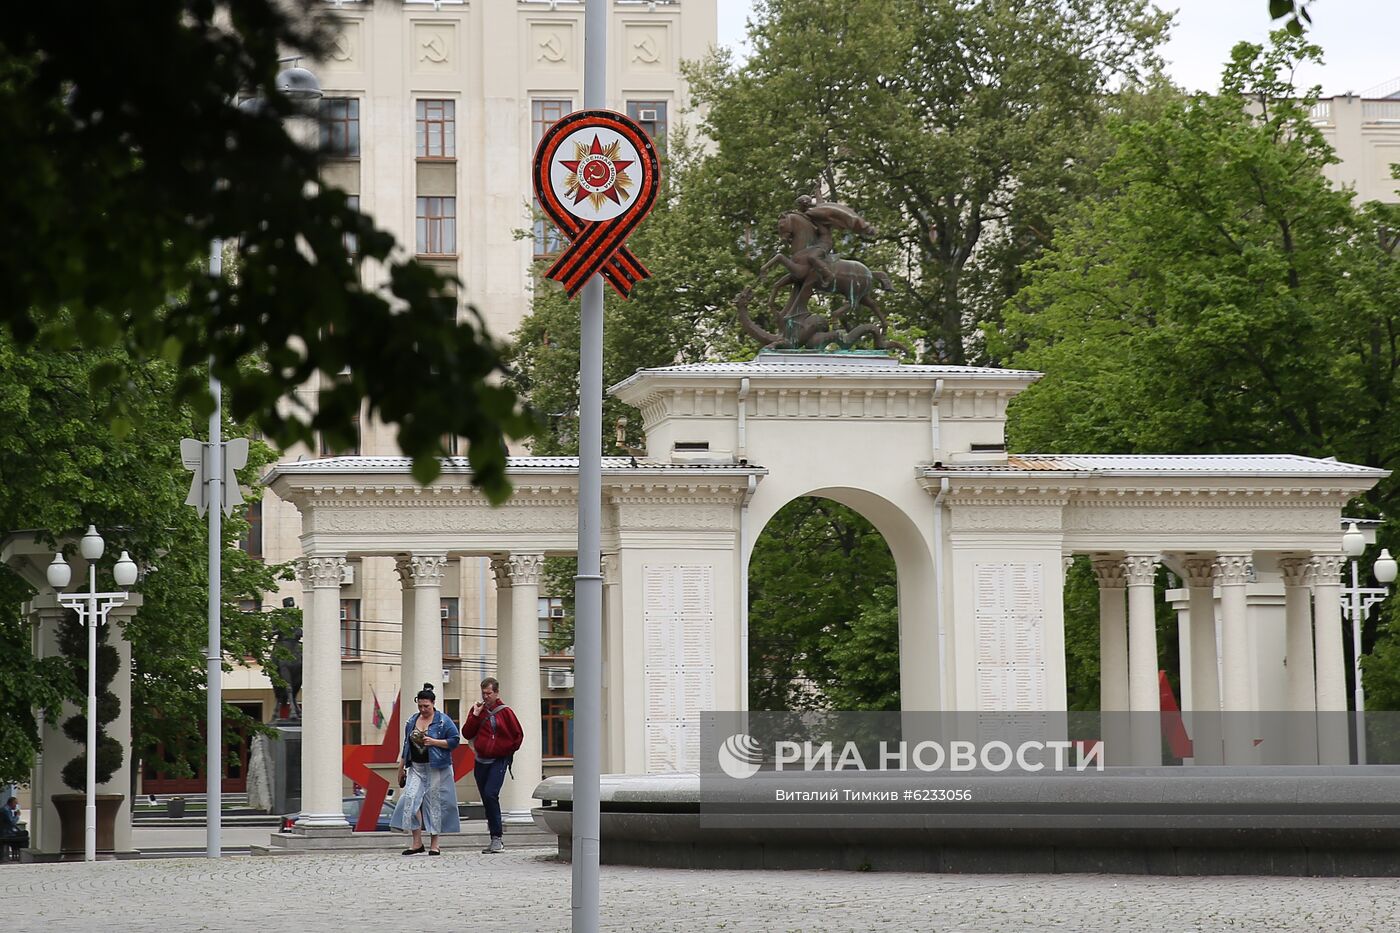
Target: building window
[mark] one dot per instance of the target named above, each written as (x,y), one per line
(340,127)
(451,628)
(551,614)
(543,115)
(557,727)
(250,605)
(437,226)
(328,449)
(437,129)
(253,540)
(350,628)
(452,709)
(352,239)
(651,114)
(350,733)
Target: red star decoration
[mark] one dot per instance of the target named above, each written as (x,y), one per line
(355,761)
(618,165)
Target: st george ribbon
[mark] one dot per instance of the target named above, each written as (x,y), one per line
(596,176)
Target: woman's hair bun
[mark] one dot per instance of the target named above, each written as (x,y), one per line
(427,686)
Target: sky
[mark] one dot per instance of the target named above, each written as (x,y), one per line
(1360,40)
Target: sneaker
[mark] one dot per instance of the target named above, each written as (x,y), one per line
(496,846)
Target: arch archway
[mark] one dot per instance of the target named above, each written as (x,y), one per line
(912,579)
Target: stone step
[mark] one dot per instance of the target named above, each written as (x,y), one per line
(473,838)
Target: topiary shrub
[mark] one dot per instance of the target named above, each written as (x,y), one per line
(72,641)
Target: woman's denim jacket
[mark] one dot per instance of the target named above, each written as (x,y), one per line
(442,728)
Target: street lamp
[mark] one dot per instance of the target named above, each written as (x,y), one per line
(92,610)
(302,88)
(1357,601)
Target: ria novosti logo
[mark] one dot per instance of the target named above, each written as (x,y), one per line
(740,756)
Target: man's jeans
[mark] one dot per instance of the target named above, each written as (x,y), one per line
(489,779)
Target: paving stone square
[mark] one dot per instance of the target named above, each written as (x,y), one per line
(387,891)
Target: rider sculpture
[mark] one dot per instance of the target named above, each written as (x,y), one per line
(813,267)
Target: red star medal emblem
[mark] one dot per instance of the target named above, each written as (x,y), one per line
(596,172)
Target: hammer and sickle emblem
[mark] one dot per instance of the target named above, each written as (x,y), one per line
(551,49)
(646,51)
(340,49)
(433,50)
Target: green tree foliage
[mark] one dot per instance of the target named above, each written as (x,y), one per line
(61,469)
(1220,296)
(960,129)
(823,616)
(124,154)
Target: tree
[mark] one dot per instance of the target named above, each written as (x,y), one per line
(1220,296)
(823,617)
(59,471)
(960,129)
(125,154)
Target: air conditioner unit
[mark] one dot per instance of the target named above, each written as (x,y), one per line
(561,680)
(347,575)
(647,115)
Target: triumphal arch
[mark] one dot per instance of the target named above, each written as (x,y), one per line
(980,537)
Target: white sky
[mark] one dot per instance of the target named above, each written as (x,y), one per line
(1360,39)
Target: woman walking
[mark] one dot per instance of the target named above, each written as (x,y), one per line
(429,799)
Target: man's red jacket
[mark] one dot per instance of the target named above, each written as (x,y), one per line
(498,739)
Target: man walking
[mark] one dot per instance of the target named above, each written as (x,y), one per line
(495,735)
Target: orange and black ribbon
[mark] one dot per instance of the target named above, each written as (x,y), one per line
(597,246)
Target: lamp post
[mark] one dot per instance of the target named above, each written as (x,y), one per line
(300,86)
(92,610)
(1357,601)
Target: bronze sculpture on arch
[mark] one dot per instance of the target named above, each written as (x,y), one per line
(812,268)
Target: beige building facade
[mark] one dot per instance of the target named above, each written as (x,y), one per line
(430,117)
(1365,132)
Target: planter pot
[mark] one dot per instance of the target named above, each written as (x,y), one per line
(175,808)
(70,809)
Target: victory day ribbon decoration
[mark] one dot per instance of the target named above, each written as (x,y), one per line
(596,176)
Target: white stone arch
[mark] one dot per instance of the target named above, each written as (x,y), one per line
(914,574)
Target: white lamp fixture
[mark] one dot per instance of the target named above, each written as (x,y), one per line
(92,608)
(59,573)
(298,84)
(1353,541)
(1385,567)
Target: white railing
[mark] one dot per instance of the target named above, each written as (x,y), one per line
(1380,111)
(1321,112)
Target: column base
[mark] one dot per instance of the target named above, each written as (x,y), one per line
(321,824)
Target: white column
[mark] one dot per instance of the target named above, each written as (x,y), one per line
(320,706)
(520,685)
(1203,662)
(427,571)
(505,599)
(1301,685)
(408,687)
(613,712)
(1333,730)
(1113,635)
(1236,693)
(1113,661)
(1144,692)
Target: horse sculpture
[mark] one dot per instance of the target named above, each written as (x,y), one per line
(812,268)
(289,672)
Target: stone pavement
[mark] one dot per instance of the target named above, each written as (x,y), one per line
(383,892)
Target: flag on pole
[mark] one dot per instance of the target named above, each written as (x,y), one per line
(378,718)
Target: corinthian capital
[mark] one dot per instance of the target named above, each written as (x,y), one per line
(427,569)
(1200,571)
(1297,571)
(525,569)
(1110,573)
(321,572)
(1141,569)
(1233,569)
(1327,569)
